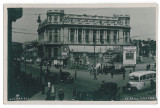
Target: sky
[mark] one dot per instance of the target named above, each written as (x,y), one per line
(142,21)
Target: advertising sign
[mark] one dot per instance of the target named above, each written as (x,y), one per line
(129,55)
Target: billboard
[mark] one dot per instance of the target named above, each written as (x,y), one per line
(129,55)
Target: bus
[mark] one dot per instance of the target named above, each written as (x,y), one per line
(141,80)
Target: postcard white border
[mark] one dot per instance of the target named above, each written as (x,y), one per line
(94,5)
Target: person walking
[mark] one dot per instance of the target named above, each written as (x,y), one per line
(75,75)
(61,95)
(149,66)
(43,85)
(119,94)
(111,73)
(94,73)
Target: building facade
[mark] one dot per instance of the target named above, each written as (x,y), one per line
(59,31)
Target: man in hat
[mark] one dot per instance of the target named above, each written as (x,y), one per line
(61,95)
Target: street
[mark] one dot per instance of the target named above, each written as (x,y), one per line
(85,82)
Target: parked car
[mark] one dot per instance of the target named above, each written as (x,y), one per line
(66,77)
(107,91)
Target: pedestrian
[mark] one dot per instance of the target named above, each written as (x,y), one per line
(130,71)
(111,73)
(52,92)
(149,66)
(94,73)
(75,75)
(61,95)
(43,85)
(103,85)
(95,76)
(155,65)
(60,73)
(119,94)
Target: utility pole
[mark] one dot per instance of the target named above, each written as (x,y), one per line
(40,48)
(41,63)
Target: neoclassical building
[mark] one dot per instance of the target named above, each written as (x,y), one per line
(59,31)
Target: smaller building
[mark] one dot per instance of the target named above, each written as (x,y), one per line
(30,49)
(16,50)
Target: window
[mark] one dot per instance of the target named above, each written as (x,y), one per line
(129,55)
(50,36)
(50,18)
(72,35)
(151,76)
(56,38)
(87,36)
(126,36)
(94,36)
(101,36)
(154,75)
(55,18)
(108,36)
(134,78)
(115,36)
(144,77)
(79,35)
(55,52)
(147,76)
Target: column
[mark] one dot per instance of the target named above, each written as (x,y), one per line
(91,36)
(61,35)
(75,35)
(97,36)
(104,37)
(82,36)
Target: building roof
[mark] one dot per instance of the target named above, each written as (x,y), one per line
(141,73)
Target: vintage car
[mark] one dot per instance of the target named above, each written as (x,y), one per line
(66,77)
(107,91)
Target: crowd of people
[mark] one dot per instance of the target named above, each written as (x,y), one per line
(107,69)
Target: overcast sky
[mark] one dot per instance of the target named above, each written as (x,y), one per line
(142,21)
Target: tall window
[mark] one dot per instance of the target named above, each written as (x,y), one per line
(50,36)
(101,36)
(72,35)
(87,36)
(55,52)
(126,37)
(56,36)
(115,36)
(94,36)
(80,35)
(108,36)
(49,51)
